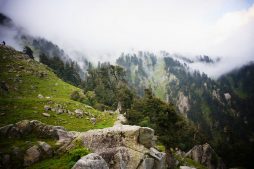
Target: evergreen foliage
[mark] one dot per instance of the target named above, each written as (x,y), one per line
(27,50)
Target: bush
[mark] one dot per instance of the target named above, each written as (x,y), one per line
(75,154)
(75,95)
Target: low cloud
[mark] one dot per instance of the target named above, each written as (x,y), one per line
(101,30)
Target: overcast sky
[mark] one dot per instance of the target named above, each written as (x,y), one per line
(102,29)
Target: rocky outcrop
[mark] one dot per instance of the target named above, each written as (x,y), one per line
(91,161)
(125,147)
(204,154)
(38,128)
(183,103)
(120,146)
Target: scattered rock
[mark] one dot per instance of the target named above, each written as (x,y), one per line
(147,163)
(46,114)
(79,113)
(60,111)
(42,74)
(47,108)
(93,120)
(40,96)
(5,129)
(70,112)
(91,161)
(46,148)
(2,114)
(227,96)
(23,127)
(32,155)
(186,167)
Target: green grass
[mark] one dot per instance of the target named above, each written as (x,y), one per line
(65,161)
(22,102)
(188,162)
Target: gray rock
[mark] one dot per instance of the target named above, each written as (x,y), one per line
(4,130)
(46,148)
(79,113)
(46,114)
(32,155)
(60,111)
(40,96)
(120,147)
(146,137)
(204,154)
(23,127)
(186,167)
(147,163)
(160,157)
(93,120)
(47,108)
(91,161)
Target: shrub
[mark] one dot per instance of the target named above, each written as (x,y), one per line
(75,154)
(75,95)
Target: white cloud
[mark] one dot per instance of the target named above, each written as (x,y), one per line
(103,29)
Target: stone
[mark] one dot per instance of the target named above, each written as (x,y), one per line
(40,96)
(46,148)
(205,155)
(227,96)
(47,108)
(60,111)
(93,120)
(147,163)
(24,127)
(4,130)
(186,167)
(91,161)
(120,147)
(120,120)
(46,114)
(146,137)
(79,113)
(160,157)
(32,155)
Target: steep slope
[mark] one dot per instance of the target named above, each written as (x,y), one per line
(71,69)
(29,88)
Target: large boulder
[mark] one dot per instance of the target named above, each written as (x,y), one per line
(91,161)
(32,155)
(125,147)
(204,154)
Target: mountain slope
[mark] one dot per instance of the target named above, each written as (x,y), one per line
(218,107)
(28,87)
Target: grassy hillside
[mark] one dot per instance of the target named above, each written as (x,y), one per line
(23,80)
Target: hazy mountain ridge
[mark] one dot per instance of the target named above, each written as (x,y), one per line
(215,105)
